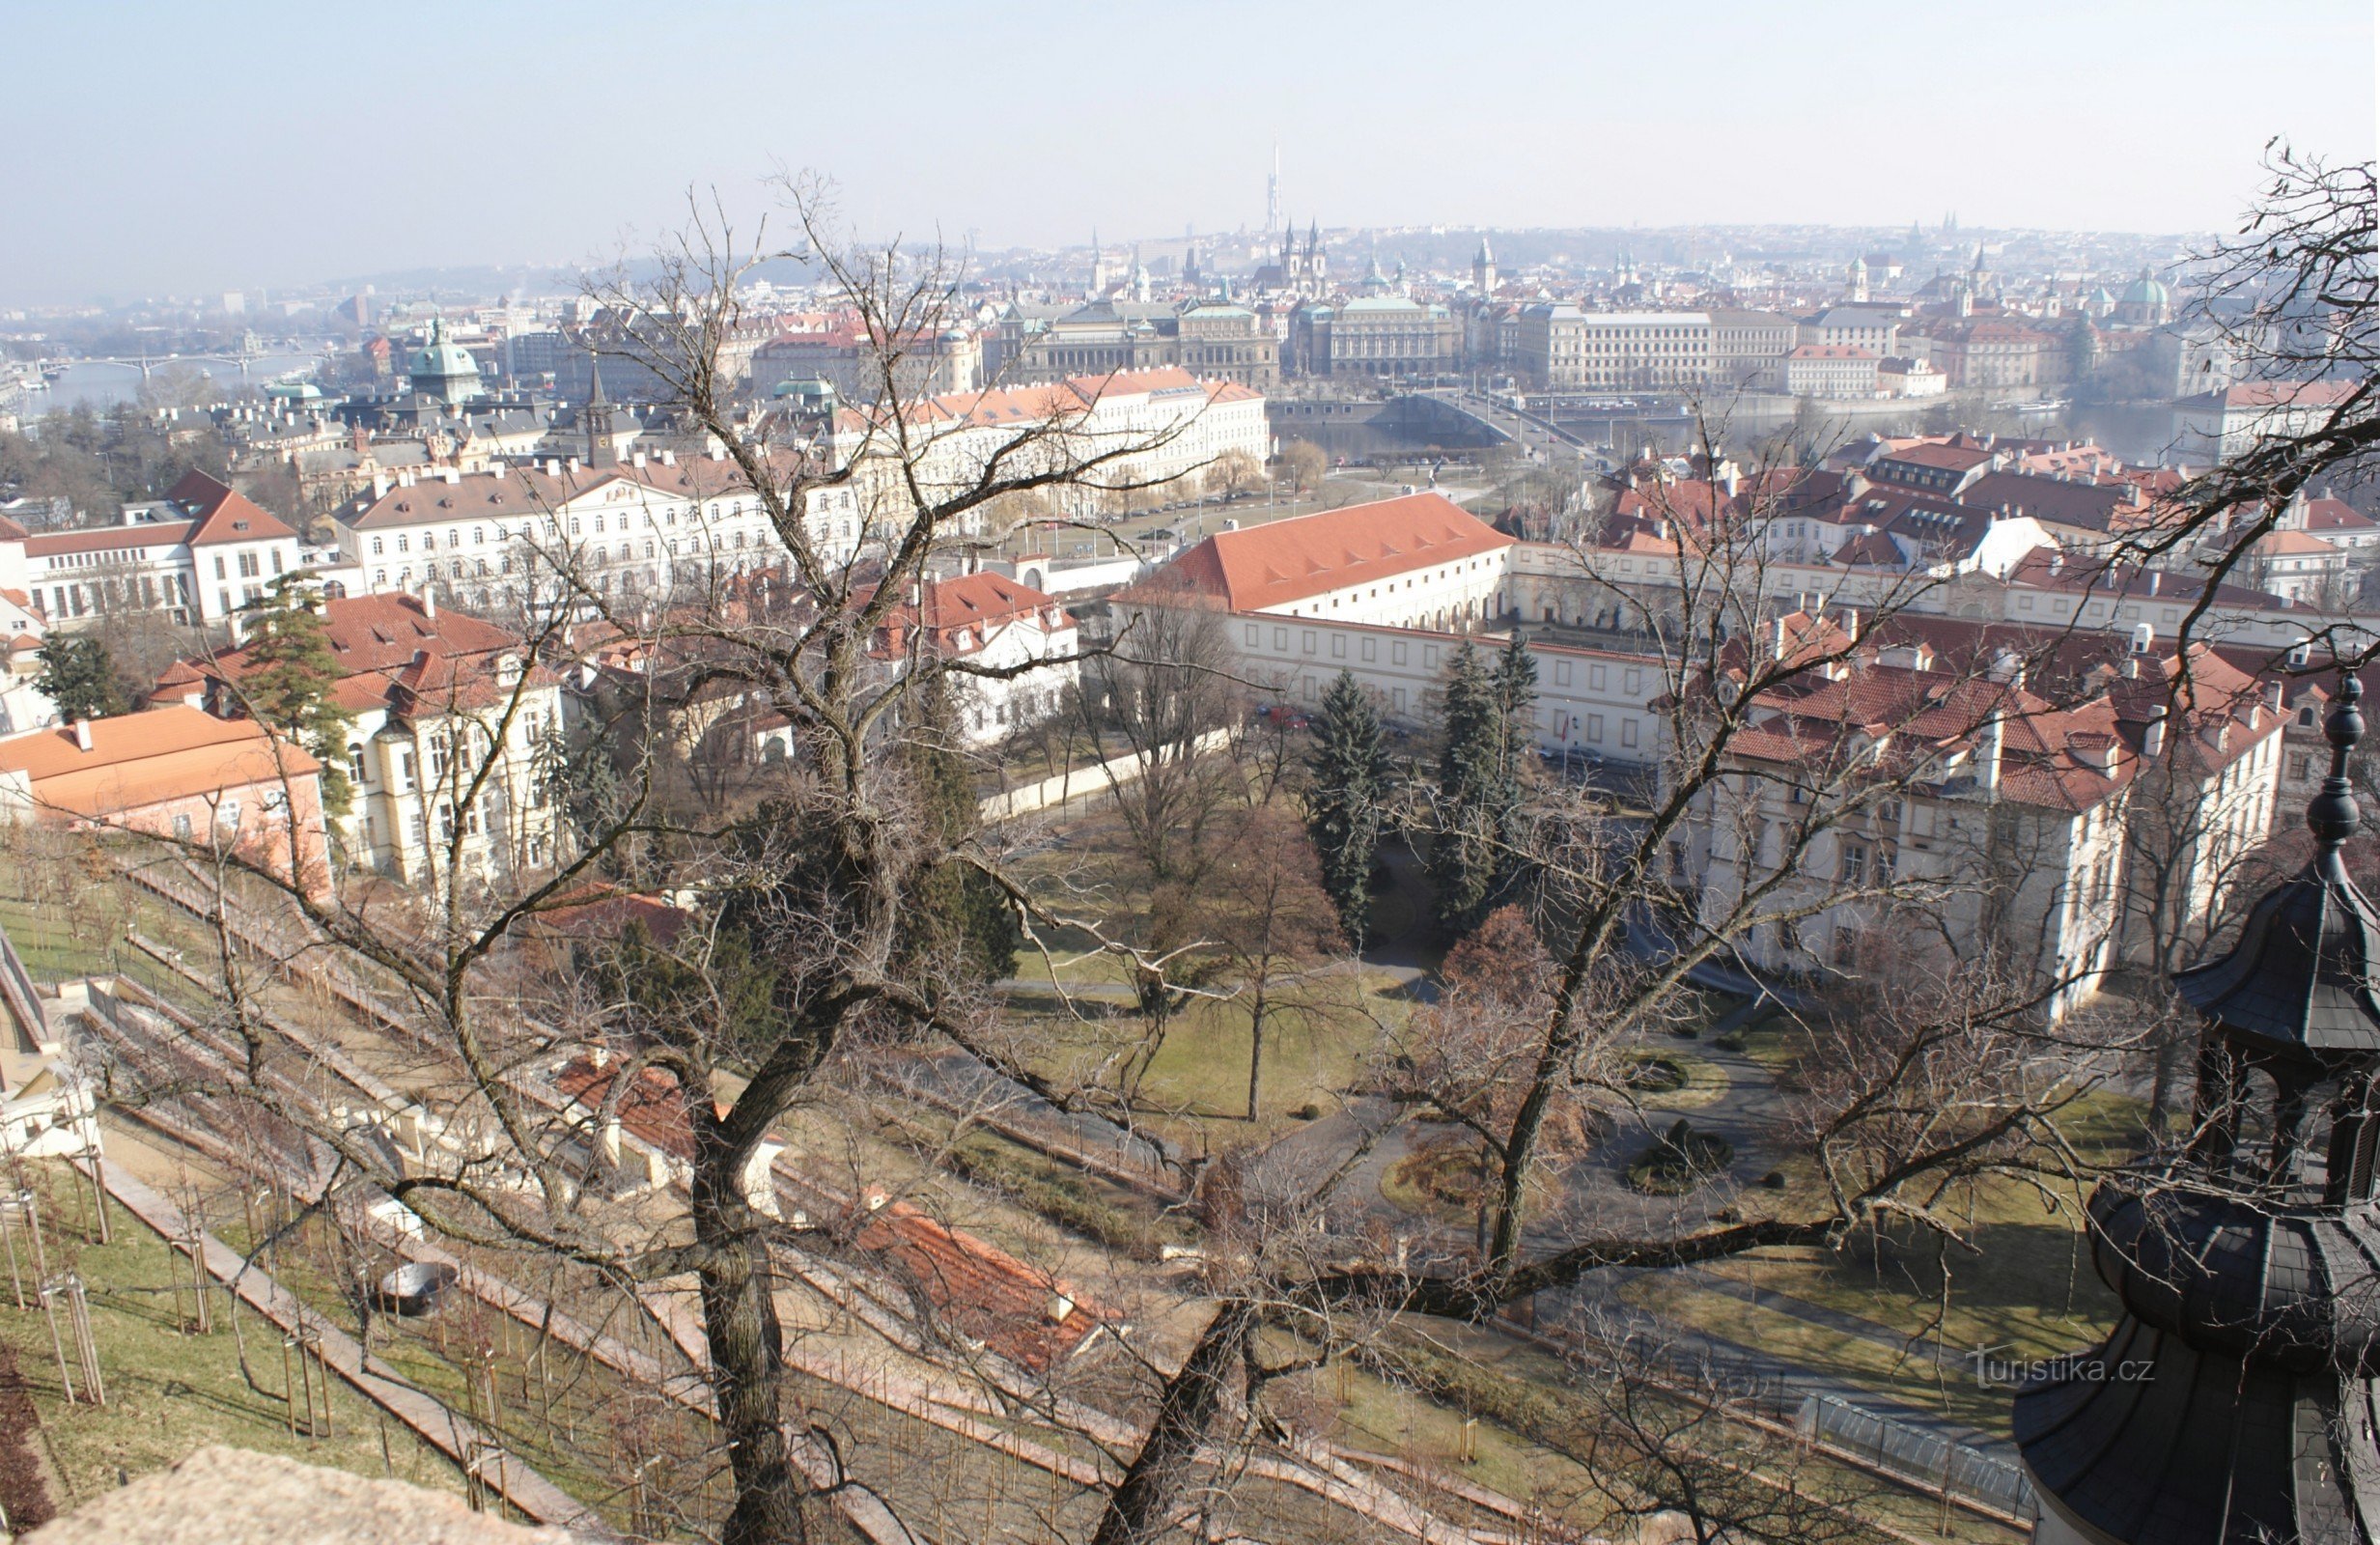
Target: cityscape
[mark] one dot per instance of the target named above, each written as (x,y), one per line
(1551,812)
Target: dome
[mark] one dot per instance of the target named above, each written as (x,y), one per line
(2147,291)
(440,360)
(2301,978)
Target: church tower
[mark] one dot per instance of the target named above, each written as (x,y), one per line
(1483,267)
(2234,1401)
(600,450)
(1857,290)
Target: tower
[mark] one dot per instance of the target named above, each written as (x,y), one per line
(1273,194)
(1315,267)
(1099,265)
(2232,1403)
(595,419)
(1858,292)
(1483,267)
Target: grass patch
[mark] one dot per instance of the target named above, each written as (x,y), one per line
(1675,1080)
(1193,1091)
(2026,1289)
(167,1392)
(1064,1197)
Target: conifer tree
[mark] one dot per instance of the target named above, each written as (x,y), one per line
(1515,686)
(288,677)
(1349,783)
(78,677)
(1475,861)
(960,915)
(1462,860)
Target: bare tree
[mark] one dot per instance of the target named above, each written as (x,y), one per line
(794,955)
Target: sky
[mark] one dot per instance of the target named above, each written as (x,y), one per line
(178,148)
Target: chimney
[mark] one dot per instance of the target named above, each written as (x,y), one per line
(637,460)
(1987,755)
(2152,738)
(2271,695)
(430,600)
(82,734)
(670,458)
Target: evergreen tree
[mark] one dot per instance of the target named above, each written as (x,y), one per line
(78,677)
(1350,783)
(288,677)
(1462,860)
(1475,861)
(1515,685)
(962,917)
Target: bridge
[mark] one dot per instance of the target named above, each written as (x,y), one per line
(147,364)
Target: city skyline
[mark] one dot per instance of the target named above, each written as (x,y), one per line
(506,156)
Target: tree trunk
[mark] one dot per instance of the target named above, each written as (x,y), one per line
(747,1363)
(1138,1508)
(1255,1054)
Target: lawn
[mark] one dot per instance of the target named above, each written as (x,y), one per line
(577,1422)
(2026,1289)
(169,1392)
(1535,1386)
(1194,1090)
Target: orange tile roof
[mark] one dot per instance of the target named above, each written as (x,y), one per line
(1283,561)
(143,759)
(392,653)
(652,1109)
(982,1291)
(145,534)
(222,514)
(975,604)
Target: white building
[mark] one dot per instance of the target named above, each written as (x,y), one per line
(197,556)
(1156,428)
(436,698)
(2026,813)
(1830,370)
(989,622)
(654,526)
(1562,346)
(1899,375)
(1416,561)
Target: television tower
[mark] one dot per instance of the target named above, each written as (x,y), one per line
(1272,195)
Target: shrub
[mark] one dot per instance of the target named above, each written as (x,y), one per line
(1681,1160)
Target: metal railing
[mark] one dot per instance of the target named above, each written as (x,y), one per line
(1924,1458)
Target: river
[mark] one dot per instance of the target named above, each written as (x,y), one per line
(103,383)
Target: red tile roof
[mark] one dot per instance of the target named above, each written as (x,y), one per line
(1283,561)
(223,515)
(975,605)
(108,539)
(1021,1312)
(393,653)
(143,759)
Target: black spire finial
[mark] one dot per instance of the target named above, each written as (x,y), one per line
(2333,816)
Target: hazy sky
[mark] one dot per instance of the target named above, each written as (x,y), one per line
(179,147)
